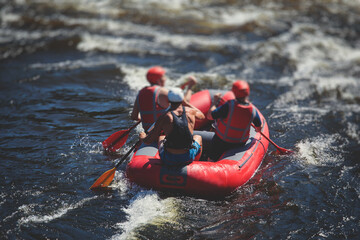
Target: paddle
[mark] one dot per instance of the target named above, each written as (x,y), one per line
(280,150)
(106,178)
(118,139)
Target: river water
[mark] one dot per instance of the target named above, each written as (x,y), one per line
(70,71)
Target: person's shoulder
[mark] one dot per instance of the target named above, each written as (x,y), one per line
(189,109)
(144,89)
(163,91)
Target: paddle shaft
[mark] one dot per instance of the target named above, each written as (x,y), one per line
(271,141)
(122,135)
(266,137)
(283,150)
(127,154)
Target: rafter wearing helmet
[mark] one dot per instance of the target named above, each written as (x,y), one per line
(233,118)
(152,101)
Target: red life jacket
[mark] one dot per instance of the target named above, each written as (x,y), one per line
(149,108)
(235,128)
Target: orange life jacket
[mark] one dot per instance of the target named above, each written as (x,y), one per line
(235,128)
(149,108)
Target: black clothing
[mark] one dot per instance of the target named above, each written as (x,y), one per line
(219,147)
(180,136)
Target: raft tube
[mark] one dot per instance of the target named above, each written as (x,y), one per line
(200,178)
(203,101)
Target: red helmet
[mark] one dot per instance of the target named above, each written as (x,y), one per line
(154,74)
(241,89)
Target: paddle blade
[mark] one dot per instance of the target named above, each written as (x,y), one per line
(105,179)
(282,151)
(116,140)
(279,150)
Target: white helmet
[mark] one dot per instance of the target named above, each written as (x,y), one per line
(176,95)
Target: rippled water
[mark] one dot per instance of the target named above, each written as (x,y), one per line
(70,71)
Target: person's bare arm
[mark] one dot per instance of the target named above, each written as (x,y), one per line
(189,84)
(198,114)
(163,100)
(217,98)
(154,134)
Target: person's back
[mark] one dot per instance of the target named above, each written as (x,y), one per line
(179,135)
(233,120)
(235,128)
(148,105)
(152,101)
(179,118)
(178,127)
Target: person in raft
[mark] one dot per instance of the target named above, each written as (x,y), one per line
(174,132)
(233,118)
(152,101)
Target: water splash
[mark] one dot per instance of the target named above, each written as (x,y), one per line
(120,183)
(146,207)
(320,150)
(51,216)
(84,145)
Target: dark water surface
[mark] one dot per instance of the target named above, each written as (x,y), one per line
(69,74)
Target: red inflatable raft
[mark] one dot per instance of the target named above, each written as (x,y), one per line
(200,178)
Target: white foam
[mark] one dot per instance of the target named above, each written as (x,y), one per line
(320,150)
(74,64)
(302,115)
(101,7)
(353,131)
(146,207)
(352,3)
(92,42)
(318,85)
(245,15)
(7,17)
(2,198)
(154,39)
(155,5)
(120,182)
(160,42)
(314,51)
(333,82)
(51,216)
(135,77)
(200,42)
